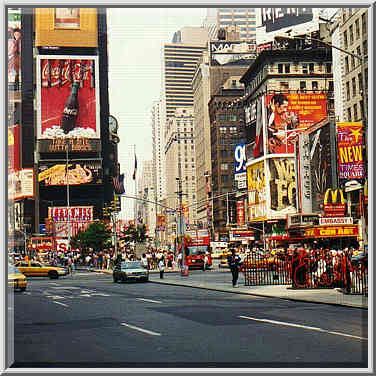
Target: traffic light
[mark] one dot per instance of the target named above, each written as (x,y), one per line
(113,205)
(106,211)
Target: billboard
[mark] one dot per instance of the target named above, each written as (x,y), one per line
(14,47)
(321,165)
(68,102)
(304,173)
(76,213)
(226,52)
(21,184)
(66,27)
(289,113)
(240,213)
(13,148)
(276,21)
(254,118)
(282,187)
(77,173)
(256,191)
(239,166)
(161,222)
(350,154)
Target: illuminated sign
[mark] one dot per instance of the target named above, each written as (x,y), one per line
(331,207)
(332,231)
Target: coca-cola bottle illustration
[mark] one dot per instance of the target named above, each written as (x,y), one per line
(70,112)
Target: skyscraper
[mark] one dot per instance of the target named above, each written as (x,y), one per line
(179,62)
(244,18)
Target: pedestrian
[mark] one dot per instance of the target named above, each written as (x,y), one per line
(161,267)
(206,260)
(144,261)
(234,263)
(70,265)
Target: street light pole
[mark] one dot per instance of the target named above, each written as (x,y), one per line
(68,198)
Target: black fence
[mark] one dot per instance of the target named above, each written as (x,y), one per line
(308,269)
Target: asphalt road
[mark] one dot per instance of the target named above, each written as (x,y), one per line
(89,321)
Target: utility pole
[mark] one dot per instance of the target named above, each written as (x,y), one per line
(181,229)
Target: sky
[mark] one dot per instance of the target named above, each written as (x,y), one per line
(135,40)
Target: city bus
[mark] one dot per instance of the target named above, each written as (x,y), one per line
(196,244)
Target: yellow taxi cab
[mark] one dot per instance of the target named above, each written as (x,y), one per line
(36,269)
(16,279)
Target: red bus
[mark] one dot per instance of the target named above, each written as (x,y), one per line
(196,245)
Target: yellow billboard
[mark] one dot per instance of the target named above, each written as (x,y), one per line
(256,191)
(66,27)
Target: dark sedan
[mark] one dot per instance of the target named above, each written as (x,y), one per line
(130,270)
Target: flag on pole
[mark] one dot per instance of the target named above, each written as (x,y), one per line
(119,184)
(135,167)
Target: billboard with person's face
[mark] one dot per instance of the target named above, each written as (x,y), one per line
(287,115)
(68,103)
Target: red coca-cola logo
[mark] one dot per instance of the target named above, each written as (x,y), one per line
(70,111)
(51,70)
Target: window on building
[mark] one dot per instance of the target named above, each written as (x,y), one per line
(224,166)
(284,85)
(303,85)
(351,34)
(347,68)
(355,112)
(222,130)
(361,104)
(280,68)
(331,86)
(287,68)
(345,39)
(348,90)
(353,86)
(366,78)
(232,117)
(233,130)
(360,81)
(349,114)
(365,48)
(223,153)
(328,67)
(315,85)
(305,68)
(353,61)
(224,178)
(364,23)
(357,29)
(222,117)
(233,83)
(311,68)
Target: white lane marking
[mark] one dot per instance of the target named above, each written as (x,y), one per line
(99,294)
(149,300)
(140,329)
(60,304)
(55,297)
(303,327)
(65,288)
(54,283)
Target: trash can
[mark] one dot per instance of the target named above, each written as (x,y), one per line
(184,271)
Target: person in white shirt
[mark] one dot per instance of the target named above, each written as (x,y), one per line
(161,266)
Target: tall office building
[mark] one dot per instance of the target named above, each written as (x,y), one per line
(244,18)
(179,62)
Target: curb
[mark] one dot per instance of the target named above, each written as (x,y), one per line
(241,292)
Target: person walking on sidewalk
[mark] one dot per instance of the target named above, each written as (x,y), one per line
(161,266)
(234,262)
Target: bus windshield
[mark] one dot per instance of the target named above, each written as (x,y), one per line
(197,250)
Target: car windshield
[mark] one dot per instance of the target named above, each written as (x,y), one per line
(197,250)
(13,270)
(131,265)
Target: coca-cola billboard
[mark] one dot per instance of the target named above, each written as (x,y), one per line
(68,103)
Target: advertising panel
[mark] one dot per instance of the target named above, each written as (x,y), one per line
(226,52)
(61,228)
(240,213)
(334,203)
(282,187)
(304,173)
(77,173)
(77,213)
(350,157)
(321,165)
(336,221)
(13,148)
(239,235)
(239,165)
(68,102)
(287,115)
(255,132)
(161,222)
(331,231)
(66,27)
(256,192)
(21,184)
(14,48)
(276,21)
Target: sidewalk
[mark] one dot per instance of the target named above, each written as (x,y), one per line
(203,280)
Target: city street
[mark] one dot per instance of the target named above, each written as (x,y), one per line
(89,321)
